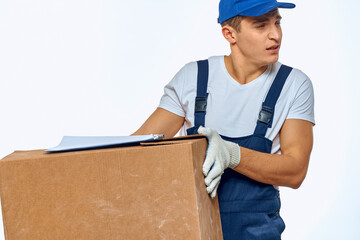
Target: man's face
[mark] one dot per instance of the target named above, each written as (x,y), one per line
(259,38)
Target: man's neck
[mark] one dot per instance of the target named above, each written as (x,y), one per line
(241,70)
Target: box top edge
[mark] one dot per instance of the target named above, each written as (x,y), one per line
(40,153)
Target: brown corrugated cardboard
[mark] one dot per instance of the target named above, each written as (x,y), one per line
(155,191)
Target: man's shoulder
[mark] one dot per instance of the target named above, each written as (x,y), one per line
(296,74)
(211,59)
(214,61)
(296,82)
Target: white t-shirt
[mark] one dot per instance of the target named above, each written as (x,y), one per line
(232,108)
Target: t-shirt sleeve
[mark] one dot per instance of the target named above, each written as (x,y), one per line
(303,104)
(171,99)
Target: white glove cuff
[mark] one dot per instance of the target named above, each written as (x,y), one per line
(235,154)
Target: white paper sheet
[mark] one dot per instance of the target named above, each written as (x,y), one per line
(69,143)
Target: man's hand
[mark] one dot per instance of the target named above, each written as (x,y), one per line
(220,155)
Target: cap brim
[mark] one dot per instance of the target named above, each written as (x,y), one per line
(265,8)
(286,5)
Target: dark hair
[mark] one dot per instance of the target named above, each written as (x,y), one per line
(234,22)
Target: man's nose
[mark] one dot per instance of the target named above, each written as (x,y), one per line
(275,33)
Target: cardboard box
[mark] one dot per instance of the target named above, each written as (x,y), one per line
(153,191)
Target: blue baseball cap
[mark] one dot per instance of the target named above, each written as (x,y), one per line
(249,8)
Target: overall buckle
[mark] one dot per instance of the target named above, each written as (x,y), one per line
(266,115)
(200,103)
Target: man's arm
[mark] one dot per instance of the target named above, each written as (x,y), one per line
(161,121)
(288,169)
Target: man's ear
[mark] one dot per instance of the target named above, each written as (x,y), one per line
(229,34)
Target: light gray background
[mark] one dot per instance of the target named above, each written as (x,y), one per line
(91,67)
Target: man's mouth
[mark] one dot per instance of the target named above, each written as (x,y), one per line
(275,47)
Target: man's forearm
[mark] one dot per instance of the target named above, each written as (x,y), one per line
(279,170)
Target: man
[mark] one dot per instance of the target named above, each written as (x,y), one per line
(263,111)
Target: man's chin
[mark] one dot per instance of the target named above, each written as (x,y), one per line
(273,59)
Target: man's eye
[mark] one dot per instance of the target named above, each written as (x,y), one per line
(260,26)
(278,23)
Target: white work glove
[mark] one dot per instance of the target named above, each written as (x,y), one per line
(220,155)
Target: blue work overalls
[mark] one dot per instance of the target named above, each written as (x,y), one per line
(249,209)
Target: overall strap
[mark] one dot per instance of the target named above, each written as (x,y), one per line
(266,114)
(201,94)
